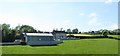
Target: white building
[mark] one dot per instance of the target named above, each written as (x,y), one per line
(60,35)
(44,38)
(40,39)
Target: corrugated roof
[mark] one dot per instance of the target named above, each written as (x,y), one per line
(38,34)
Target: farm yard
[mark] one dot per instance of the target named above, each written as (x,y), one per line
(82,46)
(59,27)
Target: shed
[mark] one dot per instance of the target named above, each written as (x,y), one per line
(40,39)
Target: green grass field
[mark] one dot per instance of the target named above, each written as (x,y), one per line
(83,46)
(0,50)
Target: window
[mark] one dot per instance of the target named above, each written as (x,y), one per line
(39,39)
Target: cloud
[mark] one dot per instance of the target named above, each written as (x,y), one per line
(93,19)
(108,1)
(92,14)
(93,23)
(82,14)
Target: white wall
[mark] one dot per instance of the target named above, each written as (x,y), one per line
(39,41)
(60,35)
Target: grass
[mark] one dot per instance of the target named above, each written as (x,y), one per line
(83,46)
(0,50)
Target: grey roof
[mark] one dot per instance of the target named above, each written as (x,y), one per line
(38,34)
(54,31)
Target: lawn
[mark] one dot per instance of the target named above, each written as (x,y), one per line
(83,46)
(0,50)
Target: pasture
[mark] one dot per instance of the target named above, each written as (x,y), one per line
(80,34)
(83,46)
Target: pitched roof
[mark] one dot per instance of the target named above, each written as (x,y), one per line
(59,31)
(38,34)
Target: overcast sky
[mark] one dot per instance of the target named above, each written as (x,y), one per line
(48,15)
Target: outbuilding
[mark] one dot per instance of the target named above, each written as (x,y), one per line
(40,39)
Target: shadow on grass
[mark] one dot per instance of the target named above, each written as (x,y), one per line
(94,37)
(114,38)
(11,44)
(42,45)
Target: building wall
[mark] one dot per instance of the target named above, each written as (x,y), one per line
(46,40)
(59,35)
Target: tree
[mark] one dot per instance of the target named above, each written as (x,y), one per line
(79,32)
(100,31)
(75,31)
(105,32)
(17,28)
(92,32)
(9,34)
(27,29)
(6,30)
(116,32)
(61,29)
(12,35)
(69,31)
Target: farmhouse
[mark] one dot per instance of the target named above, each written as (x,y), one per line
(44,38)
(59,35)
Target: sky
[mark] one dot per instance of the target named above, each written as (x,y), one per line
(47,15)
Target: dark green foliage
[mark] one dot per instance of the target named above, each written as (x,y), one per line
(69,31)
(9,35)
(79,32)
(27,29)
(6,32)
(75,31)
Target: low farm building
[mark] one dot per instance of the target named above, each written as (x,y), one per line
(44,38)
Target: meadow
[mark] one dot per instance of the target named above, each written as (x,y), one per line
(82,46)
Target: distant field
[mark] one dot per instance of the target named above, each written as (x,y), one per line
(81,34)
(83,46)
(115,36)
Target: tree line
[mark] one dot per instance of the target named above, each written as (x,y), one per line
(101,31)
(73,31)
(9,34)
